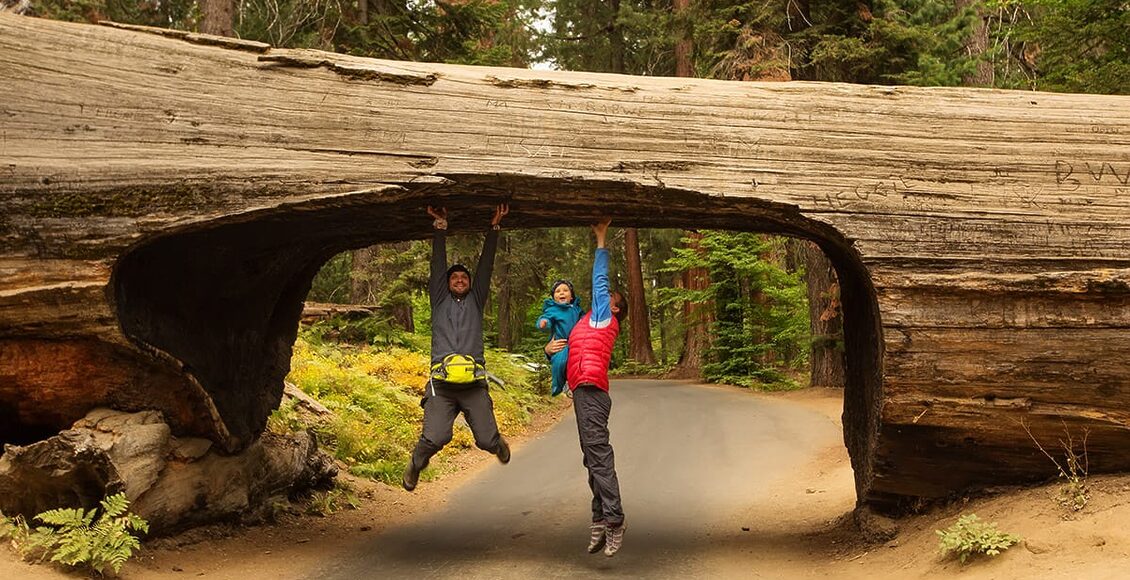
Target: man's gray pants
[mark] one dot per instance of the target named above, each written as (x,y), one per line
(592,407)
(441,405)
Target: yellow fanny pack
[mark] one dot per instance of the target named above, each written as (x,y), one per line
(459,369)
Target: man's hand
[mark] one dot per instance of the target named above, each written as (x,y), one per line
(501,210)
(440,216)
(555,346)
(601,229)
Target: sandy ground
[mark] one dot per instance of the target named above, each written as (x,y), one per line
(800,530)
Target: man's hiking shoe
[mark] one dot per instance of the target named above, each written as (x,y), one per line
(411,476)
(614,538)
(596,540)
(503,453)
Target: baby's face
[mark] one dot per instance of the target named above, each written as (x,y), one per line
(562,294)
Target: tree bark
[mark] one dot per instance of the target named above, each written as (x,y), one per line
(639,322)
(684,46)
(616,54)
(826,357)
(217,17)
(159,236)
(361,277)
(697,319)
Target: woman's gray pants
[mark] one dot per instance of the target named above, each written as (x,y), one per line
(592,407)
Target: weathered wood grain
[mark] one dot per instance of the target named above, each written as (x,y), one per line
(167,202)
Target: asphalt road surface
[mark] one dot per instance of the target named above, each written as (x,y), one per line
(688,458)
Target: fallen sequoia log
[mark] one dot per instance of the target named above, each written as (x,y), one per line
(172,482)
(167,200)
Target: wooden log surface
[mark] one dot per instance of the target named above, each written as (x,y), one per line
(165,202)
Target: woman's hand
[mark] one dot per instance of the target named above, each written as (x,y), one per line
(555,346)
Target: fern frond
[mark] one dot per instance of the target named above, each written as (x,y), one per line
(114,505)
(92,538)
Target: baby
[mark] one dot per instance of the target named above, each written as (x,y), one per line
(559,313)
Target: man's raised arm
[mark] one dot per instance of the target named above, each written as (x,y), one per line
(480,288)
(437,282)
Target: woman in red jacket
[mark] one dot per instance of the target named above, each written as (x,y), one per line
(590,352)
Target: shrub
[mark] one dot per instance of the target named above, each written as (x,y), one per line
(1074,493)
(971,536)
(77,537)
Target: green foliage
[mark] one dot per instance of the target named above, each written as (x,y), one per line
(760,329)
(969,536)
(1062,45)
(483,32)
(372,330)
(168,14)
(95,539)
(332,283)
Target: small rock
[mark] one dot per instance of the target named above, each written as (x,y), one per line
(302,540)
(1097,541)
(893,544)
(1036,546)
(366,528)
(178,569)
(745,528)
(810,490)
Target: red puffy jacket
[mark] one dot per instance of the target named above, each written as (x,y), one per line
(590,352)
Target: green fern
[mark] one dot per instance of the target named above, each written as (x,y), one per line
(77,537)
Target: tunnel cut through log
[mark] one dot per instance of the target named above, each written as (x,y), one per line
(993,226)
(224,300)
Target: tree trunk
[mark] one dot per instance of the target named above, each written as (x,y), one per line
(158,238)
(697,318)
(217,17)
(639,323)
(977,45)
(825,319)
(615,40)
(684,46)
(361,277)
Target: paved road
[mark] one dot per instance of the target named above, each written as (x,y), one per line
(688,458)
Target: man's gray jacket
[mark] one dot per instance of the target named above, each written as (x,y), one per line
(457,324)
